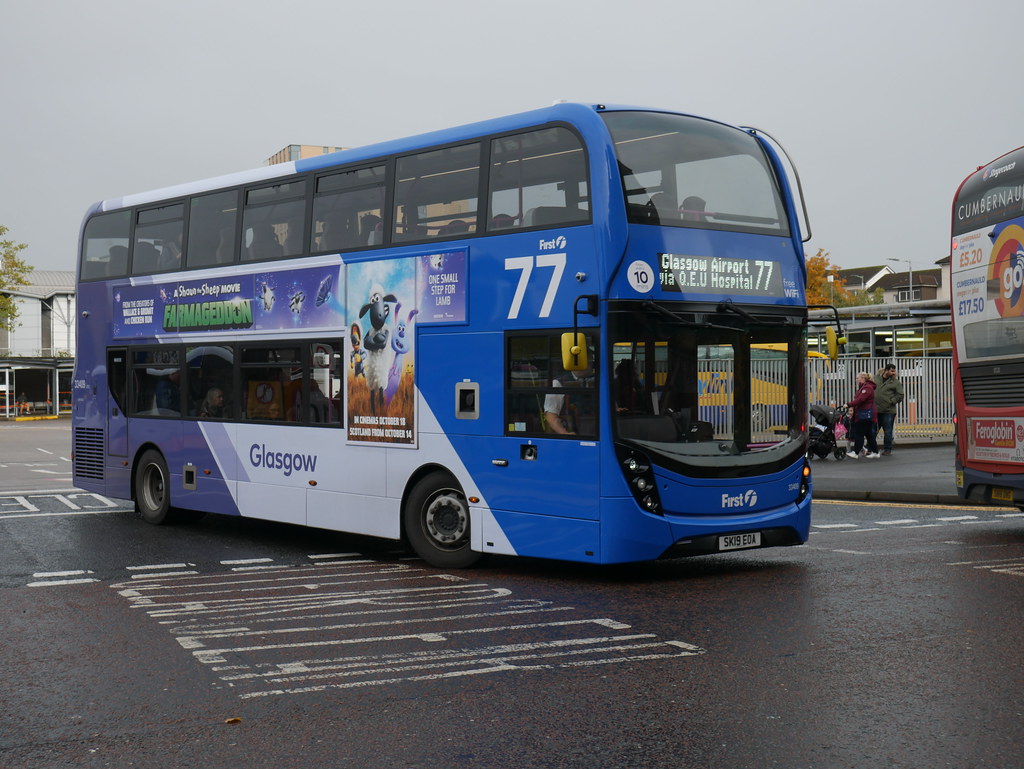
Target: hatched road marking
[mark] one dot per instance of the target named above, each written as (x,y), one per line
(343,624)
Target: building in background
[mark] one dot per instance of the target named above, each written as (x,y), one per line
(913,320)
(299,152)
(37,358)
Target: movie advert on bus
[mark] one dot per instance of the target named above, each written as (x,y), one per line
(309,299)
(386,299)
(995,439)
(988,292)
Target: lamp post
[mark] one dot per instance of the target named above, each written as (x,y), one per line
(910,275)
(832,287)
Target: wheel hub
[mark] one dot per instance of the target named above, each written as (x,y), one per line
(447,518)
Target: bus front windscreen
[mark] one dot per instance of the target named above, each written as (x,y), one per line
(682,171)
(698,393)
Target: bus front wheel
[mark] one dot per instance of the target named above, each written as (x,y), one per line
(436,518)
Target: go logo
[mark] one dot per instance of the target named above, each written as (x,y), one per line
(1006,269)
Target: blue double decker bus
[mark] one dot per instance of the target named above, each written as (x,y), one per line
(528,336)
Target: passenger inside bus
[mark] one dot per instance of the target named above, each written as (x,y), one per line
(693,209)
(170,255)
(265,244)
(212,406)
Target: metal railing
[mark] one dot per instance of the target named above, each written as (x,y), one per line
(927,408)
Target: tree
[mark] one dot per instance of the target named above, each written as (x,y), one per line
(13,274)
(820,291)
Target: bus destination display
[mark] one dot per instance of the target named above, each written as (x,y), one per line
(720,275)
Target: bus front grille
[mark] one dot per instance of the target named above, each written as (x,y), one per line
(89,453)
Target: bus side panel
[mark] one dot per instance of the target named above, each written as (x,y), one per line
(548,536)
(542,476)
(535,475)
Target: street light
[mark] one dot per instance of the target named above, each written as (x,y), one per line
(910,275)
(832,287)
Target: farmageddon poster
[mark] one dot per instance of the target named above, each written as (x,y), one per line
(309,299)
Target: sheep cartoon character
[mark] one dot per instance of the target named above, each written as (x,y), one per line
(401,343)
(375,342)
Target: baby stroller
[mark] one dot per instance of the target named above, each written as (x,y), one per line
(825,431)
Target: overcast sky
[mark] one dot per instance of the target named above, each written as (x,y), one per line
(885,105)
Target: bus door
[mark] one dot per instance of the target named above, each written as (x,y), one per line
(117,390)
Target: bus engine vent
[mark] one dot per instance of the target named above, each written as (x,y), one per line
(1002,389)
(89,453)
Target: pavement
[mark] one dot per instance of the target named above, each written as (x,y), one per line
(915,473)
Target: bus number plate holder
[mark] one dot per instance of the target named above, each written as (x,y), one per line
(739,541)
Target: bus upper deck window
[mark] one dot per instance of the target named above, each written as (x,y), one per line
(538,179)
(105,246)
(436,194)
(273,221)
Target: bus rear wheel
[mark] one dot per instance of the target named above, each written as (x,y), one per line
(153,489)
(436,518)
(153,492)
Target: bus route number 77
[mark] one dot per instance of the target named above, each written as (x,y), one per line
(525,265)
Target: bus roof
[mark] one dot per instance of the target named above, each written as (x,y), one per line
(584,116)
(990,194)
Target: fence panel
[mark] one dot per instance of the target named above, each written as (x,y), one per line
(927,409)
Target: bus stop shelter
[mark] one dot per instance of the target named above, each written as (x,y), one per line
(35,387)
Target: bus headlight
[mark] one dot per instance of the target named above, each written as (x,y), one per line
(640,477)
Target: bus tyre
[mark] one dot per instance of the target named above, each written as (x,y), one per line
(153,489)
(436,521)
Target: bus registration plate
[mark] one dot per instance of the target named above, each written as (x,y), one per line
(1003,495)
(740,541)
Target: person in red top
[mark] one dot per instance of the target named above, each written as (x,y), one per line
(863,417)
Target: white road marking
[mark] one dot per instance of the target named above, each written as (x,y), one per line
(899,522)
(47,578)
(59,582)
(380,623)
(1013,567)
(319,556)
(25,504)
(151,567)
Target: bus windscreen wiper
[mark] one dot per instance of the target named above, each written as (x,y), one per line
(650,304)
(729,306)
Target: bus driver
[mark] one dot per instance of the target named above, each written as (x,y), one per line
(561,415)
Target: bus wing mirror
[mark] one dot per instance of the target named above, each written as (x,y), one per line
(832,341)
(574,351)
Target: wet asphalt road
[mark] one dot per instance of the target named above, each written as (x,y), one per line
(893,639)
